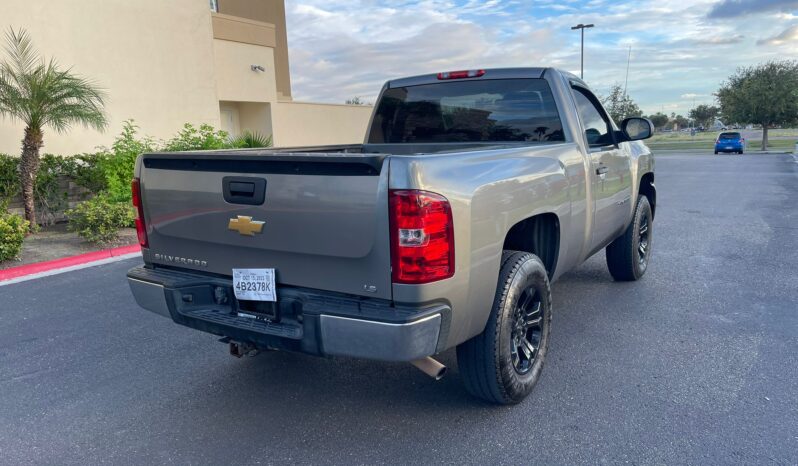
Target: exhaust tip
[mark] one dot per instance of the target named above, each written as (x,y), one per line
(431,367)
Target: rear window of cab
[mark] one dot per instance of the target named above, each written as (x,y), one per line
(497,110)
(729,136)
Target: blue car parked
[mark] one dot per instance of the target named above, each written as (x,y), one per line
(730,142)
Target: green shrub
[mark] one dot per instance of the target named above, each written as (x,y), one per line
(89,172)
(49,195)
(203,138)
(117,164)
(13,229)
(9,177)
(99,219)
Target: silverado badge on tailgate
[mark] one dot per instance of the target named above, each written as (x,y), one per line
(245,225)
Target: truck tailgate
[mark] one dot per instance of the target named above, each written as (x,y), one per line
(325,217)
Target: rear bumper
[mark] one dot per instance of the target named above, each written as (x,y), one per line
(729,147)
(311,321)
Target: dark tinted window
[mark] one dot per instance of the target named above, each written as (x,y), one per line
(499,110)
(729,135)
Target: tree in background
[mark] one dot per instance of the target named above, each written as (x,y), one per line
(679,121)
(355,101)
(659,120)
(704,115)
(41,94)
(766,94)
(619,105)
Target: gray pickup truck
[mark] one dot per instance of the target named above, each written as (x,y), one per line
(473,191)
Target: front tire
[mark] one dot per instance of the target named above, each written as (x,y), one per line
(628,255)
(503,363)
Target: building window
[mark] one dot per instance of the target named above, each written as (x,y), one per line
(215,5)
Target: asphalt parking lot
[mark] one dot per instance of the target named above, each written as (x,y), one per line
(693,364)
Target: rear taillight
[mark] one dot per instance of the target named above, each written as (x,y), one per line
(141,227)
(461,74)
(422,237)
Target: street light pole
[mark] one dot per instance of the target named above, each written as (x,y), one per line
(582,27)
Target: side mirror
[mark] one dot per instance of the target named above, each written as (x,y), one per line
(636,129)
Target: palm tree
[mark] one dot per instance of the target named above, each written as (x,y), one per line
(40,94)
(250,139)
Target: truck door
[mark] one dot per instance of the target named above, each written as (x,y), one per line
(611,170)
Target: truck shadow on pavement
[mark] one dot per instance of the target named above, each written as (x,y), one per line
(357,406)
(271,375)
(279,385)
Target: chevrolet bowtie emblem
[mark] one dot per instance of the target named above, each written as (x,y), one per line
(245,225)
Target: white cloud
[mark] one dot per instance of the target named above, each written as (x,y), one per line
(341,49)
(787,36)
(737,8)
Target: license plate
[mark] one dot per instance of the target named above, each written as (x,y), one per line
(254,284)
(729,147)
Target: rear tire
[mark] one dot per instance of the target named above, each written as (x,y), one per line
(503,363)
(628,255)
(716,152)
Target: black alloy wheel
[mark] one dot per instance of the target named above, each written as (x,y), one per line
(527,330)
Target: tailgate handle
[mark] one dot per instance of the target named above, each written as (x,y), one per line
(244,190)
(238,188)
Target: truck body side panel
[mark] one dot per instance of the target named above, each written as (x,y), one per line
(490,191)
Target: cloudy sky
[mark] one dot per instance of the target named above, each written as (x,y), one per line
(681,50)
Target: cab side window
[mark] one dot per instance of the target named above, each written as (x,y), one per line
(597,127)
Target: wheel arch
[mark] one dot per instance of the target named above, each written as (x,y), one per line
(538,235)
(648,189)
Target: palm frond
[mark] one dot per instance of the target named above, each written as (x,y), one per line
(23,55)
(40,93)
(251,139)
(11,97)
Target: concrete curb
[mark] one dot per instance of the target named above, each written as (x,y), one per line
(66,264)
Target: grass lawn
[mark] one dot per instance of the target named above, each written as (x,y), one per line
(711,135)
(778,144)
(778,139)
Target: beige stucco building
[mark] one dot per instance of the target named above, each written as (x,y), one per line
(164,63)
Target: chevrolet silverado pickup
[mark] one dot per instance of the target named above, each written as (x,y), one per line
(472,192)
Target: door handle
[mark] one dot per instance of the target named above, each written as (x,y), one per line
(602,170)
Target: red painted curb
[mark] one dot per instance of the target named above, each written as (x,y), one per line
(30,269)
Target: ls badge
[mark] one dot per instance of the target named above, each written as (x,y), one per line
(245,225)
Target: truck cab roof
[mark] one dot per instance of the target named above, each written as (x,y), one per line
(489,73)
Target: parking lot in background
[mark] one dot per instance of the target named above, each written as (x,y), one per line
(695,363)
